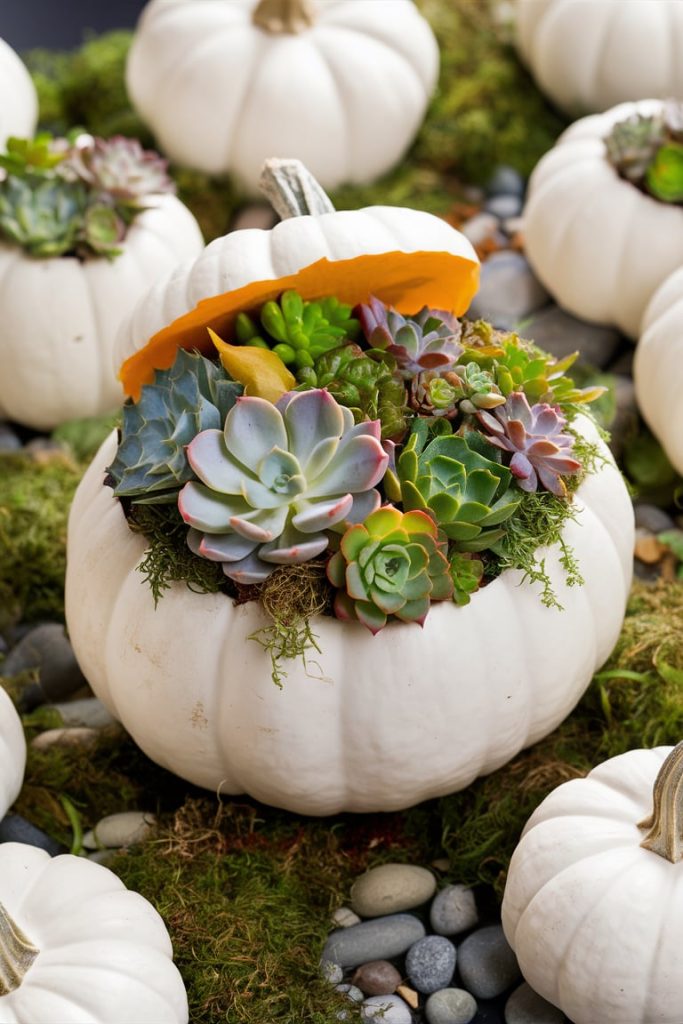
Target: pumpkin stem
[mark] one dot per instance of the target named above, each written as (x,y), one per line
(283,17)
(17,954)
(666,821)
(292,190)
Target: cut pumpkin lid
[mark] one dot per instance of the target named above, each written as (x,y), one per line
(406,280)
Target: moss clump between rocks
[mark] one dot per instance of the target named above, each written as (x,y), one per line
(246,890)
(35,494)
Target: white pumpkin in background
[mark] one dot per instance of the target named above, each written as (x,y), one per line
(658,367)
(588,55)
(593,904)
(12,754)
(60,316)
(599,245)
(341,85)
(377,723)
(18,99)
(76,945)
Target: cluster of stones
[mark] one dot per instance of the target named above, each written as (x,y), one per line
(405,953)
(52,689)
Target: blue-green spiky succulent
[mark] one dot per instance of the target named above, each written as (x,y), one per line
(194,395)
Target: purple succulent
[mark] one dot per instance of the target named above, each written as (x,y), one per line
(119,167)
(541,452)
(426,341)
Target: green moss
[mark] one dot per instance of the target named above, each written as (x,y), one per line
(35,494)
(84,437)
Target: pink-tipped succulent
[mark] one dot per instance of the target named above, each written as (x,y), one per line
(392,564)
(276,479)
(540,451)
(120,167)
(426,341)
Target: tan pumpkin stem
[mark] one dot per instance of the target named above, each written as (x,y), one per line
(17,954)
(666,821)
(292,190)
(283,17)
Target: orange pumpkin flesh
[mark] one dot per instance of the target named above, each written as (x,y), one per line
(406,281)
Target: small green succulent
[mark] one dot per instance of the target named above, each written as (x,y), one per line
(367,386)
(299,332)
(33,156)
(466,572)
(632,144)
(43,216)
(664,177)
(393,564)
(193,395)
(467,494)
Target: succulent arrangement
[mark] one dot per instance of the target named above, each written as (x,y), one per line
(648,151)
(385,461)
(75,196)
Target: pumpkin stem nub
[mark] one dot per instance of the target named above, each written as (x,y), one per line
(283,17)
(17,954)
(666,821)
(292,190)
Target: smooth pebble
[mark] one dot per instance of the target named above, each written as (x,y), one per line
(451,1006)
(47,649)
(377,978)
(560,333)
(506,181)
(509,291)
(351,992)
(504,206)
(89,711)
(652,518)
(391,888)
(526,1007)
(380,939)
(386,1010)
(331,972)
(68,737)
(453,910)
(9,442)
(15,829)
(487,963)
(430,963)
(480,227)
(122,829)
(344,917)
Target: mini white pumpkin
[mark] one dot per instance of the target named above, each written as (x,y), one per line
(60,316)
(599,245)
(12,753)
(658,367)
(589,56)
(18,99)
(77,946)
(341,85)
(381,722)
(593,905)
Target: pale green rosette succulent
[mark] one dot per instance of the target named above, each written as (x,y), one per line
(276,479)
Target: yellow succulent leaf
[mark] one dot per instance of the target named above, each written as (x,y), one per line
(262,372)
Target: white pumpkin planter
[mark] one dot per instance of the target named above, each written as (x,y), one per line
(658,367)
(77,946)
(60,317)
(599,245)
(12,753)
(377,723)
(593,904)
(341,85)
(588,55)
(18,99)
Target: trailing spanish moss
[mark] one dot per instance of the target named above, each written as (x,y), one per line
(291,596)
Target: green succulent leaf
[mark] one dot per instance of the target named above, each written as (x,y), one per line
(664,176)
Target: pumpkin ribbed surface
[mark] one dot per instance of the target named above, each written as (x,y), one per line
(377,723)
(12,753)
(18,99)
(595,920)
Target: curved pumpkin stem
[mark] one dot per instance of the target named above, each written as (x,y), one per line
(283,17)
(17,954)
(666,821)
(292,190)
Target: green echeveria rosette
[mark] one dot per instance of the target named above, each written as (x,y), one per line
(391,565)
(467,494)
(277,479)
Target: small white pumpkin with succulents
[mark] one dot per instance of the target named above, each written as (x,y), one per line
(329,460)
(658,367)
(341,85)
(603,220)
(12,753)
(18,99)
(590,56)
(86,227)
(592,904)
(76,945)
